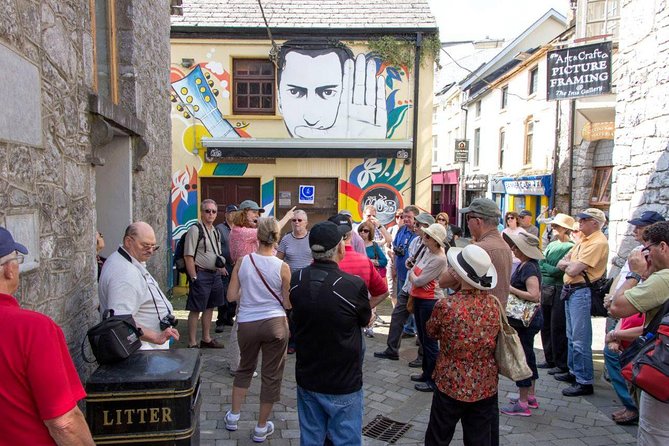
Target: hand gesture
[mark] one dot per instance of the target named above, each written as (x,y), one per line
(638,263)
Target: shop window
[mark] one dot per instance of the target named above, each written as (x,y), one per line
(253,87)
(500,159)
(505,97)
(600,194)
(529,140)
(477,147)
(103,24)
(534,80)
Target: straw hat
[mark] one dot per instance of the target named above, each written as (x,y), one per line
(563,220)
(474,266)
(436,232)
(527,243)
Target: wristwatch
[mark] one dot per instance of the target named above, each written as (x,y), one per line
(633,275)
(193,279)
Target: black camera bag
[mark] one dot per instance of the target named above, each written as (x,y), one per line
(113,339)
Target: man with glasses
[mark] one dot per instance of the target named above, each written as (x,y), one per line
(127,287)
(381,234)
(205,265)
(39,386)
(652,265)
(589,257)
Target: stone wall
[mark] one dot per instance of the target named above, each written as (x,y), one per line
(641,155)
(50,180)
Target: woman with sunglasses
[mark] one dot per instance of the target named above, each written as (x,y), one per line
(367,230)
(442,219)
(512,227)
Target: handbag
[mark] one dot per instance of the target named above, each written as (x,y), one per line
(114,339)
(521,309)
(410,308)
(509,353)
(265,282)
(598,290)
(632,350)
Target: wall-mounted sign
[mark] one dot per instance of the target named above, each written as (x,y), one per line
(307,193)
(285,199)
(461,150)
(594,131)
(525,187)
(579,71)
(476,182)
(497,186)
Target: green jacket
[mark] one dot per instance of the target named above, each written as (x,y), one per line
(550,274)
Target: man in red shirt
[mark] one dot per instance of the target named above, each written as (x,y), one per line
(39,386)
(360,265)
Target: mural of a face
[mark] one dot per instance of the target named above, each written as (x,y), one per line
(310,92)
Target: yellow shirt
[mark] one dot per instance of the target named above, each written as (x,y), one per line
(593,250)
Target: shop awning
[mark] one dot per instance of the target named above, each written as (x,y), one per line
(220,148)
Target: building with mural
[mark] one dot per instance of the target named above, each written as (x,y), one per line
(305,111)
(84,144)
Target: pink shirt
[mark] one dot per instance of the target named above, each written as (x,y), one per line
(242,241)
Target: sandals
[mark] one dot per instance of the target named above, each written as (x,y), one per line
(625,417)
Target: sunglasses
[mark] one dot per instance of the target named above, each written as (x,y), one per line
(399,215)
(469,217)
(364,230)
(510,217)
(210,211)
(441,219)
(296,220)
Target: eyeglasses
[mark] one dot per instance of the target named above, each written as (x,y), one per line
(210,211)
(647,248)
(297,220)
(441,219)
(364,230)
(399,215)
(19,259)
(147,246)
(469,217)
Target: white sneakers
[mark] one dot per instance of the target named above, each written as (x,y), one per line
(231,421)
(261,434)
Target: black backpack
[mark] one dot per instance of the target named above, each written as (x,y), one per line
(179,261)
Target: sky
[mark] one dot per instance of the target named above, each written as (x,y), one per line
(478,19)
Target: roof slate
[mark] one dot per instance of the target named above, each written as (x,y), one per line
(334,14)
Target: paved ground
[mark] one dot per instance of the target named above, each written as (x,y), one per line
(388,391)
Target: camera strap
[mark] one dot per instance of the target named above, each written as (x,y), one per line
(216,241)
(126,256)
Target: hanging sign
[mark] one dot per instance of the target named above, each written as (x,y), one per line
(579,71)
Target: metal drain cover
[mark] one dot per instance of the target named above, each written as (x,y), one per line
(385,429)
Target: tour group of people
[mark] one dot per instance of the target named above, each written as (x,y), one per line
(313,291)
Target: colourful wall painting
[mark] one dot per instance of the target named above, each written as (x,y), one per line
(376,182)
(325,89)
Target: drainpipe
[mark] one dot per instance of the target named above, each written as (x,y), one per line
(556,154)
(461,180)
(414,151)
(572,129)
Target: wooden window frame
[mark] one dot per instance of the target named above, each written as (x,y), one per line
(249,79)
(113,51)
(529,140)
(601,186)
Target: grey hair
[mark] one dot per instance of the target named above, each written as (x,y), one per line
(490,221)
(301,212)
(413,209)
(268,231)
(206,202)
(326,255)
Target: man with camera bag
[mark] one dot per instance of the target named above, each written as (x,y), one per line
(128,288)
(39,386)
(205,264)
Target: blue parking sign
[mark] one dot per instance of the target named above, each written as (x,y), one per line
(307,193)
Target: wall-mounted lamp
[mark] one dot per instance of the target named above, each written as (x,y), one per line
(187,63)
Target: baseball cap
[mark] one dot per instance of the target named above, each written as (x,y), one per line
(252,205)
(346,212)
(324,236)
(8,245)
(343,223)
(595,213)
(425,218)
(646,218)
(525,213)
(231,208)
(484,207)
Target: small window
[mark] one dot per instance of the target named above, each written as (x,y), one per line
(502,137)
(600,194)
(477,147)
(478,109)
(105,76)
(505,97)
(435,115)
(435,149)
(529,140)
(534,80)
(253,87)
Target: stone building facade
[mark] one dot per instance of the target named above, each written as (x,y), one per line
(641,153)
(74,157)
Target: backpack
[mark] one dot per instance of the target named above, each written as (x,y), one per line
(179,262)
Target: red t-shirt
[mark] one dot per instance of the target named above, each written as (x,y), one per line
(360,265)
(38,380)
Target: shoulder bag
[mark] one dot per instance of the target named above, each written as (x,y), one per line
(114,339)
(265,282)
(521,309)
(509,353)
(598,290)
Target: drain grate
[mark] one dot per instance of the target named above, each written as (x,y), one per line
(385,429)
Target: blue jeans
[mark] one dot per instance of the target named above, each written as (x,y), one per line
(338,416)
(423,312)
(612,362)
(410,325)
(579,335)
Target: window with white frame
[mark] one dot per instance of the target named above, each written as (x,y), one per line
(534,81)
(477,147)
(477,109)
(435,149)
(502,138)
(505,97)
(602,17)
(529,140)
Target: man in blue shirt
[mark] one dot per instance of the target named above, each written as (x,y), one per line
(400,314)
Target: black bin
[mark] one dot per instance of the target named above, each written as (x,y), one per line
(152,398)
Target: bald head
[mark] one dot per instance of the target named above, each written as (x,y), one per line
(140,240)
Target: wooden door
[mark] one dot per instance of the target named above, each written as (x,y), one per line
(225,191)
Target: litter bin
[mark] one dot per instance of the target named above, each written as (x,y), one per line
(151,398)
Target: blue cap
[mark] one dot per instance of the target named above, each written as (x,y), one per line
(646,218)
(231,208)
(8,245)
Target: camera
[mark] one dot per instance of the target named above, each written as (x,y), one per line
(399,251)
(168,321)
(220,262)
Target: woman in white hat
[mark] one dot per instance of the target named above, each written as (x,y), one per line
(554,330)
(466,325)
(526,285)
(425,291)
